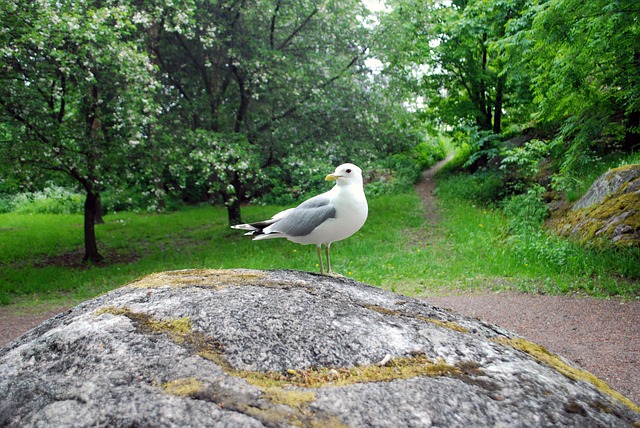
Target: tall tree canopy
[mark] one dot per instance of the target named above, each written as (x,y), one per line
(566,67)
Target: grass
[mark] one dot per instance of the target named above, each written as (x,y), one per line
(591,171)
(396,250)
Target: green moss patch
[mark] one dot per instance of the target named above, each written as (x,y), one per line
(543,355)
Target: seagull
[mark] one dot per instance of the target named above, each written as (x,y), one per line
(326,218)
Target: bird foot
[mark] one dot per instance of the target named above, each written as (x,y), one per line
(333,274)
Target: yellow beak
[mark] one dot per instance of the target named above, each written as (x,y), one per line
(332,177)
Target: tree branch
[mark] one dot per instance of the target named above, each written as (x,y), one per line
(288,40)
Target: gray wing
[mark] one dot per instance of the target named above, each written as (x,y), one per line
(306,217)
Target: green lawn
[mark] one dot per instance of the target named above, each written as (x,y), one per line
(396,250)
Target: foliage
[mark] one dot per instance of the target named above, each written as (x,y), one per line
(526,158)
(526,212)
(153,103)
(448,54)
(74,89)
(427,153)
(564,68)
(583,60)
(51,200)
(485,188)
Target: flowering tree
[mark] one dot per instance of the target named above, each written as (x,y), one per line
(246,68)
(75,90)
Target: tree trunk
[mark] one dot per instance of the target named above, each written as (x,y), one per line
(497,113)
(484,102)
(97,211)
(233,210)
(91,253)
(234,206)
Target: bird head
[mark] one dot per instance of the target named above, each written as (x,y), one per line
(346,174)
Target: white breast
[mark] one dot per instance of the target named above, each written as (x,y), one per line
(351,214)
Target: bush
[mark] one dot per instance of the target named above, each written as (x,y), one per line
(137,199)
(460,158)
(428,153)
(405,168)
(294,180)
(485,188)
(6,203)
(51,200)
(526,211)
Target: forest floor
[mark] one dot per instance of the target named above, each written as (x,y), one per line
(600,335)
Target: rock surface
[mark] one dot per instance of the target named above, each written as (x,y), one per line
(251,348)
(610,209)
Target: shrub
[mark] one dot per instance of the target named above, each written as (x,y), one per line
(482,187)
(429,152)
(525,160)
(526,211)
(6,203)
(460,157)
(51,200)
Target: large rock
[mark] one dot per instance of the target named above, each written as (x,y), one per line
(250,348)
(609,210)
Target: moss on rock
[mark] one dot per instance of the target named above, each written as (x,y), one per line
(185,387)
(208,278)
(543,355)
(609,212)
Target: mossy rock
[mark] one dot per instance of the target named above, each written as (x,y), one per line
(609,211)
(252,349)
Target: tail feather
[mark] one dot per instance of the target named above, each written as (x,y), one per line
(254,229)
(243,227)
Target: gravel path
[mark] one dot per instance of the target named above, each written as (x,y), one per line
(601,336)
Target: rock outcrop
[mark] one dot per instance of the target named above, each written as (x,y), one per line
(610,210)
(251,348)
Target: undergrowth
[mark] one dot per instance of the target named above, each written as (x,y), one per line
(522,249)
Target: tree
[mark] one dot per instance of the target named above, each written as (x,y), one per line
(74,90)
(586,62)
(246,68)
(450,54)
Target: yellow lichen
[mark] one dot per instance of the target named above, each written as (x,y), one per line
(446,324)
(596,224)
(216,279)
(178,328)
(207,278)
(395,368)
(184,387)
(543,355)
(293,398)
(279,416)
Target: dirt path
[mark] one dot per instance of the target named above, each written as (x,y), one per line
(601,336)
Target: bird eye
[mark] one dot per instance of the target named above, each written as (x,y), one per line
(348,171)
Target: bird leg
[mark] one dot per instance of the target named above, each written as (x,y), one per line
(320,260)
(327,250)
